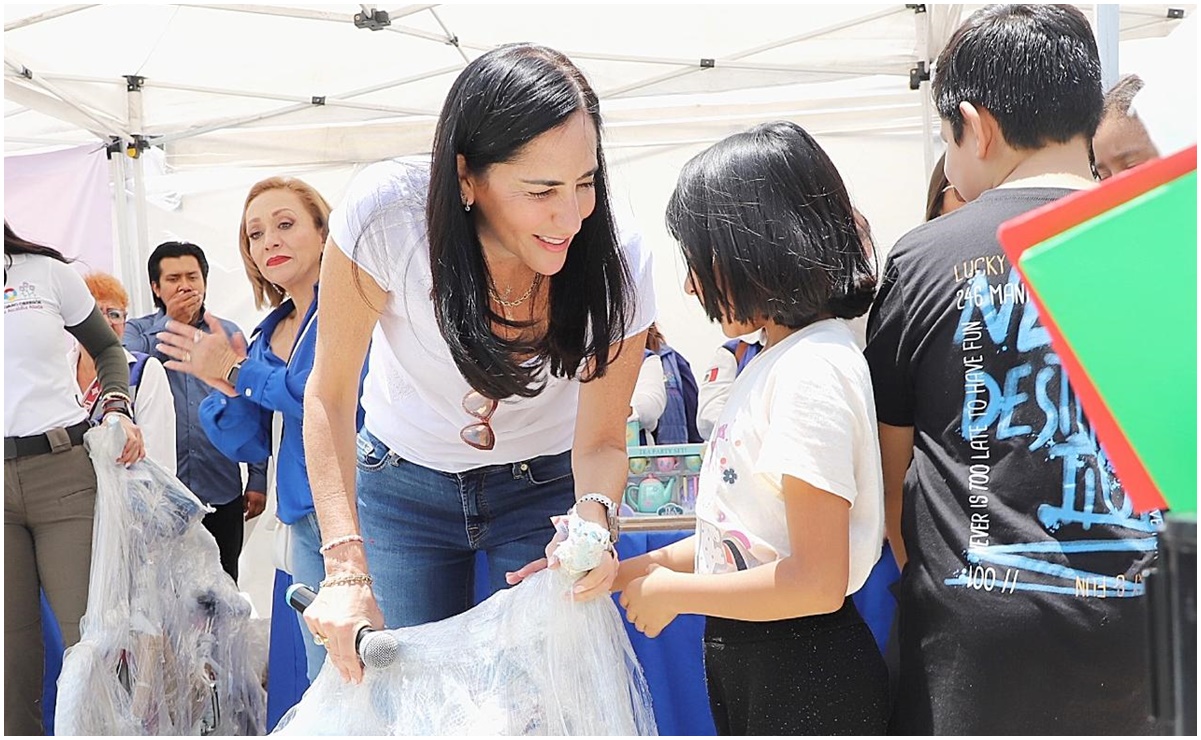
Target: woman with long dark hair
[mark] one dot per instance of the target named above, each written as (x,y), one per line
(506,322)
(49,481)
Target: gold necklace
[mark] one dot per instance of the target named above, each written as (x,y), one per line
(524,297)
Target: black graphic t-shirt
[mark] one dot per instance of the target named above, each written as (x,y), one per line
(1020,608)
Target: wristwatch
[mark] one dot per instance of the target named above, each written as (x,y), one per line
(610,512)
(231,377)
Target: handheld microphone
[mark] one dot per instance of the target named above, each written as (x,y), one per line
(299,596)
(376,648)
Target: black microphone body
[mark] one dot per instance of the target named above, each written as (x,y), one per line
(376,648)
(299,596)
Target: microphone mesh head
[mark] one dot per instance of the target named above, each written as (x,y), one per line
(379,649)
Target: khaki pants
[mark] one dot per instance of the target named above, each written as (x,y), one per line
(49,503)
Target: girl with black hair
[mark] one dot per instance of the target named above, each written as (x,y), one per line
(506,321)
(790,508)
(49,480)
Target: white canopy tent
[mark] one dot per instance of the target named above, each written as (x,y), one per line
(211,99)
(206,91)
(175,73)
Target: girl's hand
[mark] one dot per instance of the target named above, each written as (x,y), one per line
(207,356)
(335,618)
(647,601)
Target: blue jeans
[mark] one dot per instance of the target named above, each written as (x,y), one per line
(423,528)
(308,567)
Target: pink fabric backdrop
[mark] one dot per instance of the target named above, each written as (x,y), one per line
(62,199)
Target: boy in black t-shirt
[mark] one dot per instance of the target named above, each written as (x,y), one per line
(1020,604)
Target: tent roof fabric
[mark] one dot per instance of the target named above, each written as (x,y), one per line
(291,85)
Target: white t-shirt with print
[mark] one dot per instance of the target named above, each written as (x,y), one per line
(42,297)
(413,393)
(803,408)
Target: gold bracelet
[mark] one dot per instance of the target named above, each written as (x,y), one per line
(357,578)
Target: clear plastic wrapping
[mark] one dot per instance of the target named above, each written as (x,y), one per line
(527,661)
(165,644)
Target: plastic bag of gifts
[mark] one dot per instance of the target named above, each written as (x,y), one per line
(527,661)
(165,643)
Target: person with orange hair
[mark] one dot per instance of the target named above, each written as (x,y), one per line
(153,403)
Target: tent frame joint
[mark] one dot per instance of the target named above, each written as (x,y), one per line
(133,148)
(134,83)
(916,8)
(1175,13)
(919,74)
(373,19)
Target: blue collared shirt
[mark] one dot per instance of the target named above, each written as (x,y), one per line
(241,425)
(213,477)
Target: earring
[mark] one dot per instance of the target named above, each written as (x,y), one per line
(467,207)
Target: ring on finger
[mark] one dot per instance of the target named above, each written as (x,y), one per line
(320,639)
(187,356)
(196,336)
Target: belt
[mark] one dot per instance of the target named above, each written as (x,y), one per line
(55,440)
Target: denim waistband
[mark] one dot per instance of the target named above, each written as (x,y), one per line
(518,468)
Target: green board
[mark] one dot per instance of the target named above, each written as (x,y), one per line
(1122,288)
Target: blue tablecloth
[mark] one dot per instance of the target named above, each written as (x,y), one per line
(287,677)
(673,662)
(52,638)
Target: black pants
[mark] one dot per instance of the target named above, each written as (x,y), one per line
(225,524)
(819,675)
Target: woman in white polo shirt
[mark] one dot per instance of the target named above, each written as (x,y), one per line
(506,322)
(49,481)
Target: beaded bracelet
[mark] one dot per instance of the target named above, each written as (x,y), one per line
(339,541)
(358,578)
(115,402)
(112,395)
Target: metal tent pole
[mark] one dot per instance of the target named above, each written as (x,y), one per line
(142,253)
(922,19)
(137,143)
(132,270)
(1107,23)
